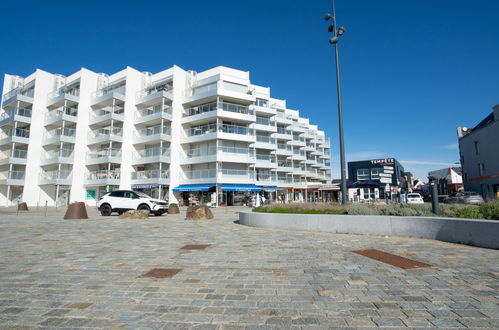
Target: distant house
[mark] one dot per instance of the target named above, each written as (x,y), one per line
(449,180)
(479,150)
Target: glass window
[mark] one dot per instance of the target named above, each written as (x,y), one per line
(262,103)
(375,173)
(362,174)
(116,194)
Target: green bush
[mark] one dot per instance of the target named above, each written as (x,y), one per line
(470,212)
(490,210)
(359,209)
(173,205)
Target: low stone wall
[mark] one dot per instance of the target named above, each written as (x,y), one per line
(481,233)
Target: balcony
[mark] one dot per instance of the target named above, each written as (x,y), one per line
(235,176)
(283,118)
(58,156)
(56,116)
(264,110)
(102,177)
(284,166)
(15,135)
(68,96)
(105,115)
(200,155)
(104,156)
(284,150)
(298,141)
(284,181)
(221,109)
(63,177)
(299,155)
(299,128)
(21,94)
(283,134)
(153,134)
(227,89)
(105,135)
(265,142)
(15,114)
(153,115)
(12,178)
(227,132)
(224,154)
(265,124)
(106,95)
(151,95)
(265,161)
(151,155)
(266,179)
(200,176)
(17,156)
(59,135)
(151,176)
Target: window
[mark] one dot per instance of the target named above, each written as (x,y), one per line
(129,194)
(262,103)
(116,194)
(477,148)
(375,173)
(362,174)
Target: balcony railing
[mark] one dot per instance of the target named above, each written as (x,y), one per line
(237,151)
(64,90)
(73,112)
(200,174)
(103,174)
(112,152)
(298,152)
(265,121)
(265,139)
(19,153)
(13,175)
(153,110)
(240,173)
(155,89)
(15,111)
(212,128)
(283,147)
(107,111)
(151,174)
(109,90)
(29,92)
(66,131)
(18,132)
(153,152)
(200,152)
(66,153)
(56,175)
(266,177)
(154,130)
(231,107)
(265,157)
(298,138)
(104,132)
(281,130)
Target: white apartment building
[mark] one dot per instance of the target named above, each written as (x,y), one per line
(66,139)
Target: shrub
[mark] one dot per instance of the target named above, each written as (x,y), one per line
(470,212)
(359,209)
(173,205)
(490,210)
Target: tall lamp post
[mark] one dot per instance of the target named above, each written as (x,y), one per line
(338,32)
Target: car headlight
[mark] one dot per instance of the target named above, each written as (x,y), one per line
(154,202)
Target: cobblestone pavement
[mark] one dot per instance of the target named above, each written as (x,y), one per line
(58,273)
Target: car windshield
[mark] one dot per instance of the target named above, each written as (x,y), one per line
(413,196)
(141,194)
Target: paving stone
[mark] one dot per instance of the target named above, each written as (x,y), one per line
(388,322)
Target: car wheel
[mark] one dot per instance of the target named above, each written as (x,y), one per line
(143,207)
(106,210)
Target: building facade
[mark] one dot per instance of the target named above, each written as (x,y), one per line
(479,155)
(449,179)
(170,134)
(375,179)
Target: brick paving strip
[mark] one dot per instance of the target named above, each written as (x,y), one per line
(391,259)
(90,274)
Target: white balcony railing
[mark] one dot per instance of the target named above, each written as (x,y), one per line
(103,175)
(109,90)
(29,92)
(65,153)
(112,152)
(68,111)
(153,152)
(225,106)
(105,132)
(154,130)
(222,128)
(66,131)
(17,132)
(56,175)
(64,90)
(15,112)
(150,111)
(151,174)
(167,87)
(201,174)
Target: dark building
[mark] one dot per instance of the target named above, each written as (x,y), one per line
(370,179)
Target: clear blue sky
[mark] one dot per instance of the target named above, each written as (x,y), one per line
(411,70)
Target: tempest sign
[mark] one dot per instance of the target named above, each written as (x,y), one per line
(383,161)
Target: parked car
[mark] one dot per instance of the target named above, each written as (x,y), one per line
(121,201)
(465,197)
(414,198)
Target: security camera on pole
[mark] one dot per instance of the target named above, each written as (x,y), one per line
(337,33)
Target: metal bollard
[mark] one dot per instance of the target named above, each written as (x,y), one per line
(434,195)
(17,213)
(46,208)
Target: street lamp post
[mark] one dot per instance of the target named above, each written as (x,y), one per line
(337,32)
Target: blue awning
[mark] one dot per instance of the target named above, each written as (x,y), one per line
(268,189)
(197,187)
(240,187)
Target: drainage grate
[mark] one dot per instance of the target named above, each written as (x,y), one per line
(195,247)
(161,272)
(391,259)
(80,305)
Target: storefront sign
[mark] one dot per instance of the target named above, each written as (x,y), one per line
(385,180)
(389,171)
(388,168)
(144,186)
(383,161)
(385,175)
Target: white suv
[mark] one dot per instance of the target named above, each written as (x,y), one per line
(123,200)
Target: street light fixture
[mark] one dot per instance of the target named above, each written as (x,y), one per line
(338,32)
